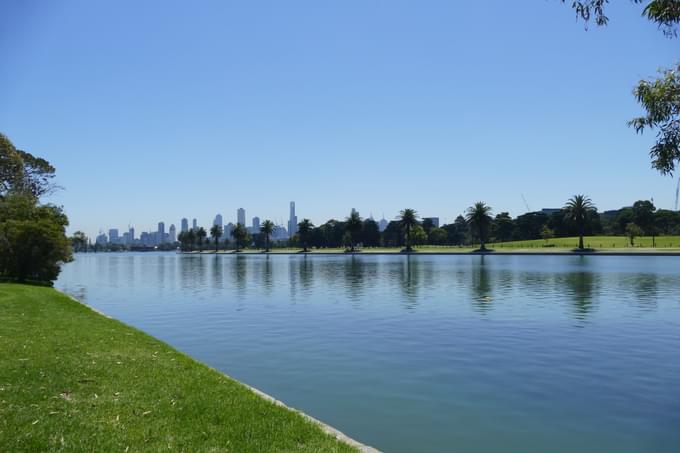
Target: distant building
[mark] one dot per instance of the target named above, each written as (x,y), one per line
(131,232)
(241,216)
(226,232)
(161,233)
(185,225)
(292,222)
(194,225)
(173,234)
(218,220)
(101,239)
(550,211)
(113,236)
(354,211)
(256,223)
(382,225)
(434,220)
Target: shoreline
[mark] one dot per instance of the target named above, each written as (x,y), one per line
(520,252)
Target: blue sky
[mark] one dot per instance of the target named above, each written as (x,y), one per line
(160,110)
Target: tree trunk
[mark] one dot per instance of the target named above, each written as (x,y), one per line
(266,243)
(580,237)
(481,238)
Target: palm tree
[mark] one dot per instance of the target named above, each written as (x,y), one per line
(478,217)
(216,233)
(353,225)
(201,234)
(305,231)
(267,228)
(191,239)
(577,210)
(239,234)
(408,218)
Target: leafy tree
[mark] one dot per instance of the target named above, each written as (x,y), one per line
(577,210)
(267,229)
(23,173)
(216,233)
(201,234)
(478,216)
(660,98)
(370,233)
(427,225)
(528,226)
(547,233)
(305,233)
(240,235)
(191,239)
(633,231)
(643,215)
(438,236)
(393,236)
(79,241)
(418,235)
(33,240)
(502,227)
(408,218)
(353,226)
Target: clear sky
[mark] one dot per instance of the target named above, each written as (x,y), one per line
(160,110)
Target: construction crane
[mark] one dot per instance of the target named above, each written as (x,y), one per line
(527,204)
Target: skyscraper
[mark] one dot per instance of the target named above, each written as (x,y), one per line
(194,225)
(113,236)
(241,216)
(131,231)
(161,232)
(256,224)
(173,233)
(218,220)
(185,225)
(382,225)
(292,223)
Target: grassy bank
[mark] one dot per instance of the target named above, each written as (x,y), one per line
(74,380)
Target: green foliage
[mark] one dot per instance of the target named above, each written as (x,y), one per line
(305,232)
(577,210)
(438,236)
(23,173)
(408,218)
(353,226)
(216,232)
(633,231)
(79,242)
(240,235)
(267,229)
(33,240)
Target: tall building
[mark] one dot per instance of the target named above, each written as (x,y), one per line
(113,236)
(434,220)
(256,224)
(161,233)
(382,225)
(241,216)
(194,224)
(131,235)
(173,233)
(218,220)
(292,223)
(185,225)
(101,239)
(354,211)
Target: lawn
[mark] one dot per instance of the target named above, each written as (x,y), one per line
(74,380)
(596,242)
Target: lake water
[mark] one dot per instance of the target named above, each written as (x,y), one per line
(425,353)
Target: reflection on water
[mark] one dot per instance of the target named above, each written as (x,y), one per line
(424,353)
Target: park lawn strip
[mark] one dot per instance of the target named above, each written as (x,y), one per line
(74,380)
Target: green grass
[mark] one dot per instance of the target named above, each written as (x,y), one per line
(596,242)
(74,380)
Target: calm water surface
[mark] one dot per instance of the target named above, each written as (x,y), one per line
(425,353)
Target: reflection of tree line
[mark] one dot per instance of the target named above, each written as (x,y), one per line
(412,275)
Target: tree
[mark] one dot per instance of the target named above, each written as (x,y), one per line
(502,227)
(547,233)
(267,229)
(201,234)
(191,239)
(370,233)
(438,236)
(79,242)
(478,216)
(216,233)
(21,172)
(418,235)
(643,215)
(240,235)
(660,97)
(305,233)
(33,240)
(408,218)
(577,210)
(353,225)
(633,231)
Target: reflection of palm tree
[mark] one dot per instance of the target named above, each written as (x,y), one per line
(478,217)
(354,277)
(577,209)
(239,271)
(410,281)
(481,286)
(580,286)
(267,228)
(408,219)
(306,270)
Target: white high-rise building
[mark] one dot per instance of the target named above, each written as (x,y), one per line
(256,224)
(292,223)
(241,216)
(185,225)
(194,224)
(161,232)
(113,236)
(218,220)
(173,233)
